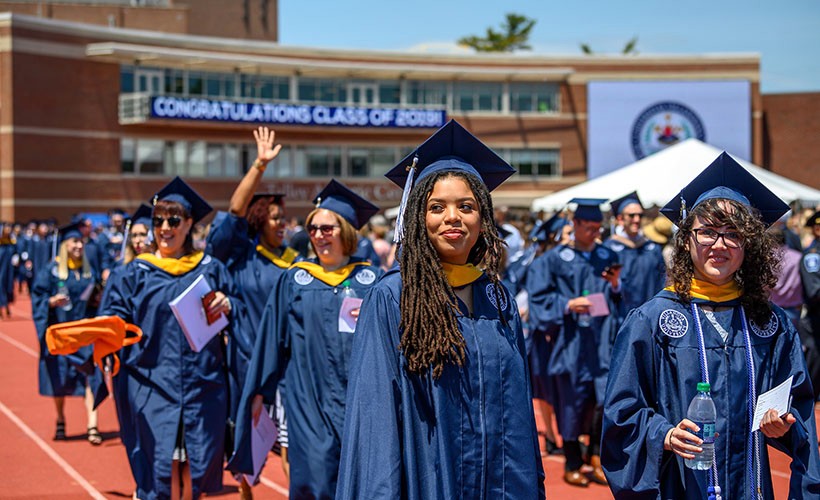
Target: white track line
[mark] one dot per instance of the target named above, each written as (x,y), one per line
(52,454)
(274,486)
(26,349)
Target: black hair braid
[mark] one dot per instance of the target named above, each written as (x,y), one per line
(430,334)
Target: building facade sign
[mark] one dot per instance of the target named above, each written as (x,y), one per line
(186,108)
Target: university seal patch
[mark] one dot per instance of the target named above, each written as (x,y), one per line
(302,277)
(366,277)
(769,329)
(567,255)
(811,261)
(673,323)
(503,302)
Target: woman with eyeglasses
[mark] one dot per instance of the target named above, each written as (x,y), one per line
(714,324)
(248,239)
(439,403)
(176,397)
(60,293)
(304,341)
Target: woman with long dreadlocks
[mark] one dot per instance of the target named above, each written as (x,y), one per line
(714,324)
(439,402)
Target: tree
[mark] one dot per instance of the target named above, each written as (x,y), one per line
(629,49)
(514,34)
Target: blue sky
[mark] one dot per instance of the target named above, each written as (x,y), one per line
(786,34)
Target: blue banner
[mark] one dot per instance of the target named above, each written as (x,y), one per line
(188,108)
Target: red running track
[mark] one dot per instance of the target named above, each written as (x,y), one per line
(34,466)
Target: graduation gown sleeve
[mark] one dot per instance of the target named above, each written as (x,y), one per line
(633,430)
(547,303)
(264,373)
(371,445)
(228,238)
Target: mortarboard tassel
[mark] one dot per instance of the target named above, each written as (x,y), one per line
(408,186)
(683,212)
(125,238)
(54,244)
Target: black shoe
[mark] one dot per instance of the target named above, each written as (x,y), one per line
(552,448)
(59,432)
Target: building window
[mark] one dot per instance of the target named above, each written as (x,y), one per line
(533,97)
(324,91)
(421,93)
(127,156)
(472,96)
(149,156)
(127,80)
(196,159)
(174,82)
(389,93)
(323,161)
(534,162)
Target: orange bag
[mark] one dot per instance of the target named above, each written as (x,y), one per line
(108,334)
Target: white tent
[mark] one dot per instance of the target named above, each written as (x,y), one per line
(661,176)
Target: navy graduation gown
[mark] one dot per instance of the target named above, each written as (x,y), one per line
(653,377)
(62,375)
(469,434)
(7,251)
(644,271)
(579,356)
(254,276)
(299,343)
(163,382)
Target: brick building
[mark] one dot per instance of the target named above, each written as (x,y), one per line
(100,113)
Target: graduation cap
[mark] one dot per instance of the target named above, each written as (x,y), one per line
(619,204)
(553,225)
(338,198)
(814,220)
(277,198)
(502,231)
(142,215)
(724,178)
(589,208)
(71,230)
(450,148)
(180,192)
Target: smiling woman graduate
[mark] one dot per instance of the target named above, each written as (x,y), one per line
(59,294)
(713,324)
(176,397)
(439,402)
(304,341)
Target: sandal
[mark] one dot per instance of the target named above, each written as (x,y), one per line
(59,433)
(94,436)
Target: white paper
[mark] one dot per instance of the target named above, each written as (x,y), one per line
(263,435)
(190,315)
(597,305)
(777,398)
(347,322)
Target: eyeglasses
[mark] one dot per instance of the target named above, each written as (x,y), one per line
(173,221)
(632,216)
(326,229)
(708,237)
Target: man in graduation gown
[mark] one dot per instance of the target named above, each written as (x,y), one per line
(644,271)
(558,282)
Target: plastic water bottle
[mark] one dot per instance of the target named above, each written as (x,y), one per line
(347,291)
(702,413)
(63,289)
(584,318)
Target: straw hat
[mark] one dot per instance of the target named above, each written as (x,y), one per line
(659,230)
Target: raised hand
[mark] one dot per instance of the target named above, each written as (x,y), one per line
(265,148)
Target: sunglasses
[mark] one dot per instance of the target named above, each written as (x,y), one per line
(326,229)
(173,221)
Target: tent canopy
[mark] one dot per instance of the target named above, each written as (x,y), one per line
(661,176)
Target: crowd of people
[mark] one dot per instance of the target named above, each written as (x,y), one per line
(407,359)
